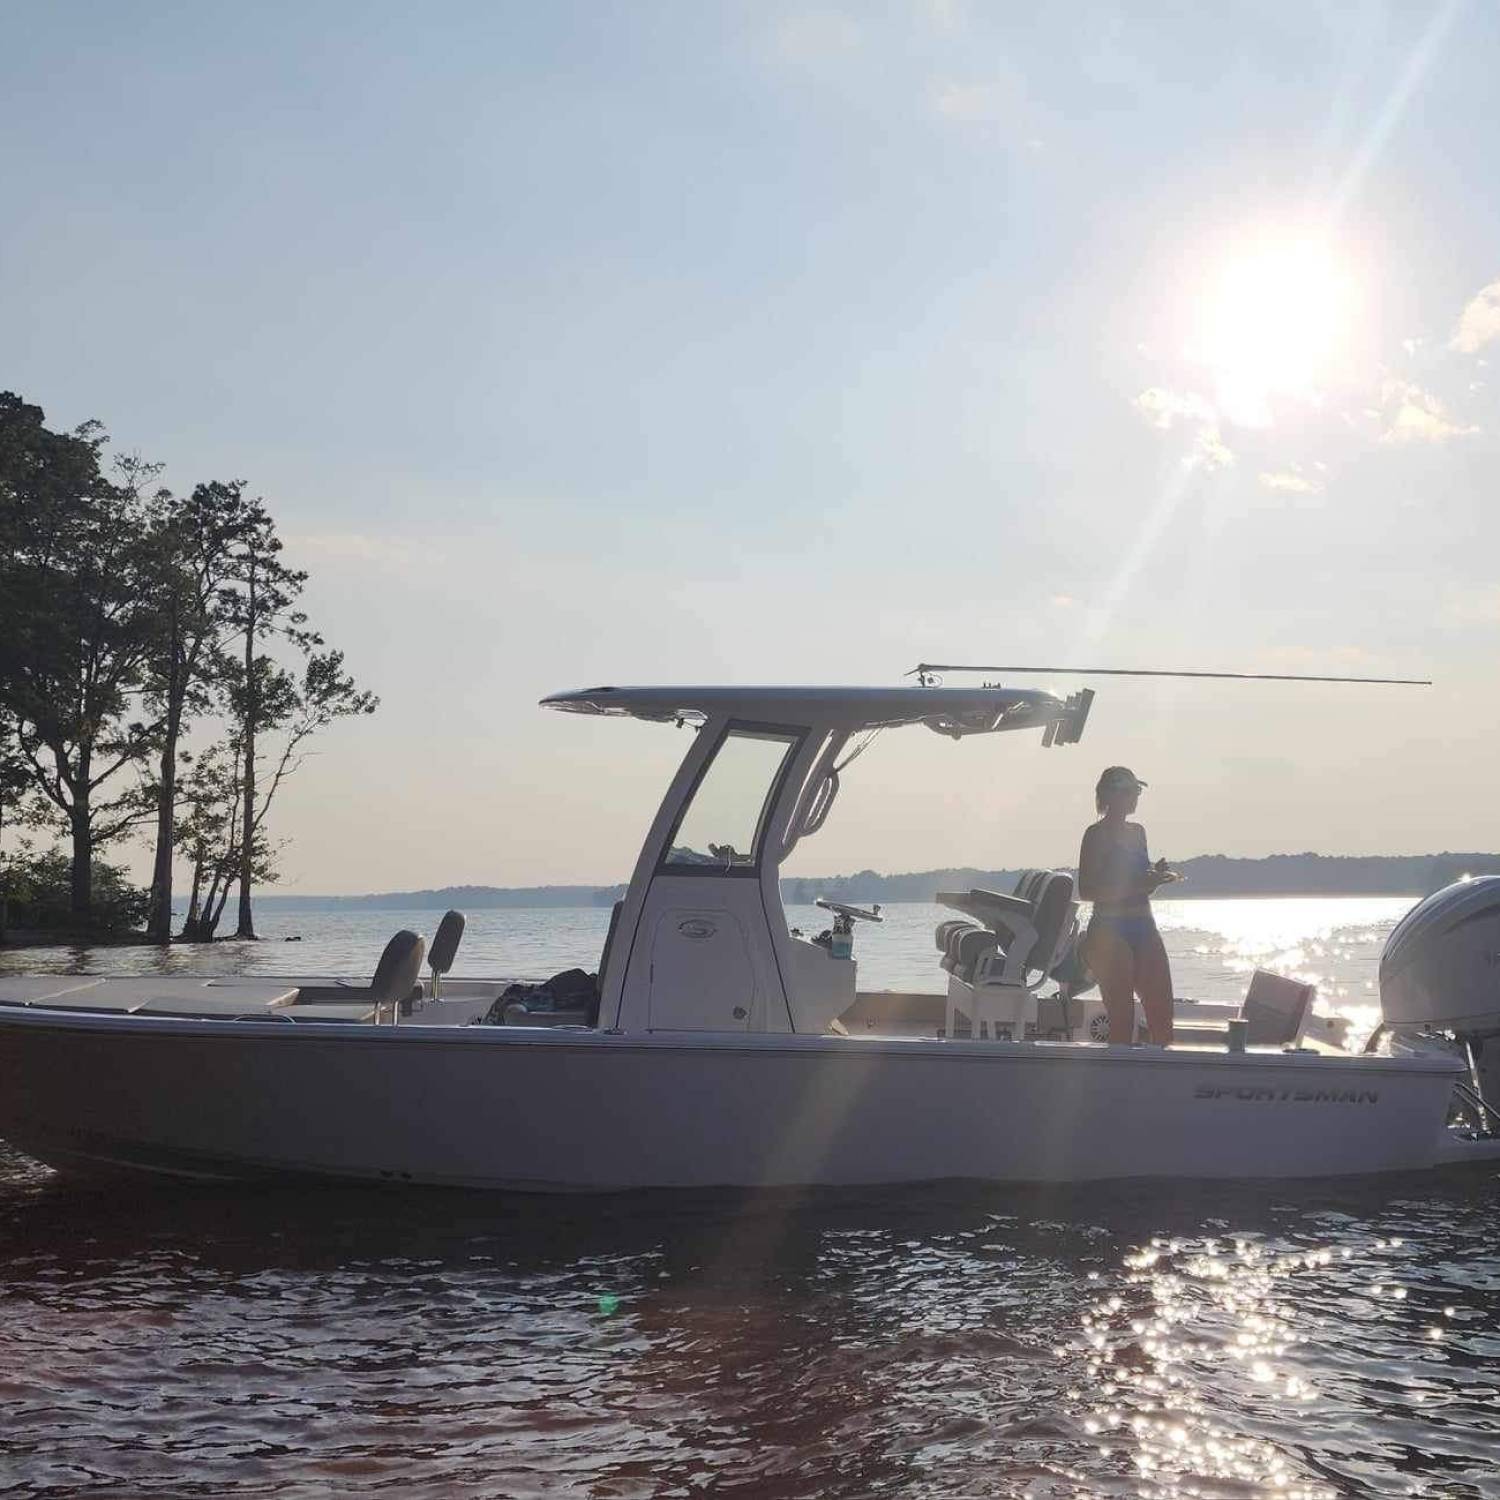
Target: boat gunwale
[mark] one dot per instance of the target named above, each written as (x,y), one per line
(21,1017)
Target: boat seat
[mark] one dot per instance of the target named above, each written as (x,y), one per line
(994,975)
(991,908)
(946,929)
(972,944)
(445,943)
(397,980)
(1277,1009)
(1005,918)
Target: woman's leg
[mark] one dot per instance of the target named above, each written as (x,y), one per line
(1112,963)
(1153,983)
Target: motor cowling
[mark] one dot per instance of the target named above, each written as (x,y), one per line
(1441,964)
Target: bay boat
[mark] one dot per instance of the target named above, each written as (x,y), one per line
(719,1047)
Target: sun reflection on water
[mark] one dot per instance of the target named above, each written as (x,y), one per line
(1199,1351)
(1334,945)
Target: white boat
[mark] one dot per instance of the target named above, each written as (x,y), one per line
(722,1048)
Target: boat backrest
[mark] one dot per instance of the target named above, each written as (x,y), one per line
(1276,1008)
(1053,919)
(946,929)
(445,942)
(971,945)
(399,971)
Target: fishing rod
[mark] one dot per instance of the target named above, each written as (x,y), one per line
(925,671)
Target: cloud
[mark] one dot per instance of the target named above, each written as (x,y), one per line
(816,35)
(1209,452)
(1479,323)
(1417,416)
(1292,481)
(1165,410)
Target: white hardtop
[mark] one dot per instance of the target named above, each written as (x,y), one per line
(954,711)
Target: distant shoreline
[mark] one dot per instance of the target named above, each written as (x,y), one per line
(1208,876)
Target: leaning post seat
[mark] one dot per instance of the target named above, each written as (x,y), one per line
(995,971)
(397,979)
(946,929)
(1007,921)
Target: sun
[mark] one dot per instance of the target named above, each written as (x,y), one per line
(1273,316)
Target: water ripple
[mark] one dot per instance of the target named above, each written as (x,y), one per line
(1329,1340)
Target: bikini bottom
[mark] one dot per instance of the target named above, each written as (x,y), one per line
(1134,929)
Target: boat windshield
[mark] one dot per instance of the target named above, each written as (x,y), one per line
(724,821)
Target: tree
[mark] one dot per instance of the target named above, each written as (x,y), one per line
(75,622)
(218,814)
(209,830)
(194,543)
(17,809)
(275,712)
(262,607)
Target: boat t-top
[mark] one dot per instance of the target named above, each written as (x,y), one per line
(710,1044)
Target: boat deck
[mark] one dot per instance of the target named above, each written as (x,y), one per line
(234,997)
(892,1013)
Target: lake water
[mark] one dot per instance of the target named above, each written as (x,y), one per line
(1214,945)
(1329,1339)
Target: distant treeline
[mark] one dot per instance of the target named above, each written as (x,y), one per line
(465,897)
(1207,875)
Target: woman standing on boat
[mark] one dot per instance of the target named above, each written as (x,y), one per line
(1122,947)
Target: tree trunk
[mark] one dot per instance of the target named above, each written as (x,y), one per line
(211,918)
(82,882)
(218,880)
(159,924)
(246,928)
(80,817)
(190,922)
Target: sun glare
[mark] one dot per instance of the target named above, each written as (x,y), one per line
(1272,318)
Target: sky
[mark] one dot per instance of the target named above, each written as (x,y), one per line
(755,342)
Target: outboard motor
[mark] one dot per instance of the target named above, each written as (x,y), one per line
(1441,970)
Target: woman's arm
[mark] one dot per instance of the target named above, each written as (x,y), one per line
(1157,875)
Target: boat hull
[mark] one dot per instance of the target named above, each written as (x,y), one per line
(581,1111)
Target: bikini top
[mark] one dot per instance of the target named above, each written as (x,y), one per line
(1125,862)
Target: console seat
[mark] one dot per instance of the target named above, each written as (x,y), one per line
(995,969)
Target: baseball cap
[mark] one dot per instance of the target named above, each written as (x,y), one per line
(1119,778)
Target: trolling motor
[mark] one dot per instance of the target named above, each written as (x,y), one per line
(1440,972)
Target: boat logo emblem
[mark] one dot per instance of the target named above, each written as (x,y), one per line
(696,929)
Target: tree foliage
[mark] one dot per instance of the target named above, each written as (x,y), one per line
(75,630)
(132,619)
(38,891)
(193,544)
